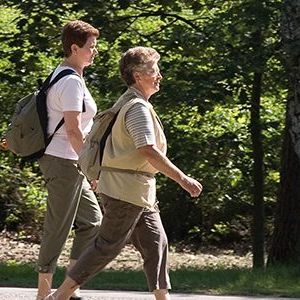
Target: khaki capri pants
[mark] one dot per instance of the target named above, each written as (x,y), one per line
(71,204)
(123,222)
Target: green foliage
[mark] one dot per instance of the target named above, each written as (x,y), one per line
(22,198)
(219,135)
(209,53)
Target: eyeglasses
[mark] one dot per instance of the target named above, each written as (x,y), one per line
(151,72)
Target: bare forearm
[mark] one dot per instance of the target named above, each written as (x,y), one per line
(76,139)
(73,129)
(161,163)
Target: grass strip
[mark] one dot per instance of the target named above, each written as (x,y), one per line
(279,281)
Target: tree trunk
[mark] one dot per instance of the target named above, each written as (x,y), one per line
(258,232)
(285,248)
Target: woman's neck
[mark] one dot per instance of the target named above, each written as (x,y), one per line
(69,62)
(141,91)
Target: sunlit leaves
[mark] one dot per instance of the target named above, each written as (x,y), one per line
(208,56)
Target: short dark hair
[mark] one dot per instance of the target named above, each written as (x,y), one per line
(135,59)
(76,32)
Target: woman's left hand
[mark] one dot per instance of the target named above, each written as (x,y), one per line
(94,184)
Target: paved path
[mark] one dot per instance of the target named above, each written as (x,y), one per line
(29,294)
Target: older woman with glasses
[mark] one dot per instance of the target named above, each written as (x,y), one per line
(134,152)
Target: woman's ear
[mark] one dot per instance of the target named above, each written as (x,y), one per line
(136,76)
(74,48)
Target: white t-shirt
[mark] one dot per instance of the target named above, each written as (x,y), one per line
(68,95)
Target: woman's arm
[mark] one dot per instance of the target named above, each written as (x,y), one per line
(73,129)
(161,163)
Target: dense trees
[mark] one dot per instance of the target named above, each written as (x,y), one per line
(221,102)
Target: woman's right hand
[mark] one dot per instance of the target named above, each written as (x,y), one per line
(191,185)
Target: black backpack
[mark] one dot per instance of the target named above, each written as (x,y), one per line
(27,133)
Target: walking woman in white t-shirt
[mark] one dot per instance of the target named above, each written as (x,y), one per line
(71,202)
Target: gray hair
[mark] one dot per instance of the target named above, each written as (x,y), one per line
(136,59)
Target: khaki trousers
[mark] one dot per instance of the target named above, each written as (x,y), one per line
(122,222)
(70,204)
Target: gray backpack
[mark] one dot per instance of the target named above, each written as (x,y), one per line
(27,133)
(91,156)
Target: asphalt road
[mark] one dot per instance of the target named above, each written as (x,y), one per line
(30,294)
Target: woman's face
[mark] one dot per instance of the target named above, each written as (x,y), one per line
(87,53)
(149,79)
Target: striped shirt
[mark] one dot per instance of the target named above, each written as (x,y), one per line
(139,123)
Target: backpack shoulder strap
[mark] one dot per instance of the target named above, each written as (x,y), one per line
(48,83)
(59,76)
